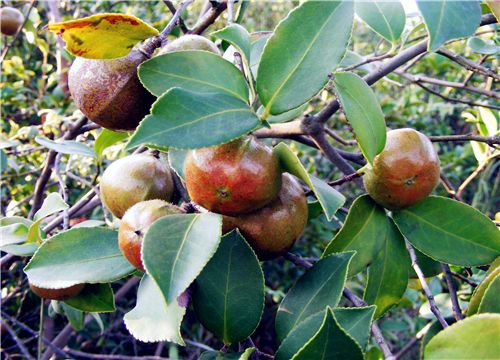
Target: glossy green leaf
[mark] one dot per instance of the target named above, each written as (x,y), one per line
(490,303)
(66,146)
(259,40)
(479,291)
(319,287)
(151,319)
(187,120)
(388,274)
(229,297)
(387,18)
(52,204)
(444,19)
(475,337)
(286,116)
(74,316)
(301,54)
(363,111)
(13,236)
(450,231)
(330,199)
(481,46)
(94,298)
(330,342)
(105,139)
(76,256)
(177,247)
(176,158)
(355,321)
(238,36)
(199,71)
(364,231)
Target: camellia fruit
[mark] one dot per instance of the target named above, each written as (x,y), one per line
(189,42)
(405,172)
(135,178)
(109,92)
(233,178)
(57,294)
(136,222)
(11,20)
(273,229)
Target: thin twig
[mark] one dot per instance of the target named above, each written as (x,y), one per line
(490,140)
(345,179)
(457,312)
(208,18)
(180,21)
(18,341)
(466,63)
(425,287)
(338,138)
(476,172)
(463,278)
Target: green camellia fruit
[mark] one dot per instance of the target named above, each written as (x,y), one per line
(136,222)
(405,172)
(11,20)
(135,178)
(233,178)
(190,42)
(109,92)
(273,229)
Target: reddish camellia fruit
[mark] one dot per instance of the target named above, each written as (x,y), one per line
(11,20)
(405,172)
(233,178)
(135,178)
(57,294)
(273,229)
(109,92)
(190,42)
(136,222)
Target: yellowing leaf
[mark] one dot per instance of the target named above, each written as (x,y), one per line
(103,36)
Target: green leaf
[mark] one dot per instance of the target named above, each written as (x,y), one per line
(479,291)
(490,303)
(388,274)
(286,116)
(187,120)
(355,321)
(472,338)
(13,235)
(152,319)
(330,199)
(75,317)
(94,298)
(257,49)
(386,18)
(229,297)
(3,161)
(52,204)
(301,54)
(450,231)
(218,355)
(445,19)
(363,111)
(481,46)
(319,287)
(76,256)
(364,231)
(176,158)
(66,146)
(330,342)
(238,36)
(105,139)
(177,247)
(199,71)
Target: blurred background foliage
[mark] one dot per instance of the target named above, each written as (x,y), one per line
(36,102)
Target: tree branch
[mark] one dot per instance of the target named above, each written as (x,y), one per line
(466,63)
(208,18)
(490,140)
(180,21)
(425,286)
(457,312)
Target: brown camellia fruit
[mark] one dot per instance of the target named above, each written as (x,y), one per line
(190,42)
(405,172)
(136,222)
(273,229)
(109,92)
(233,178)
(11,20)
(135,178)
(57,294)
